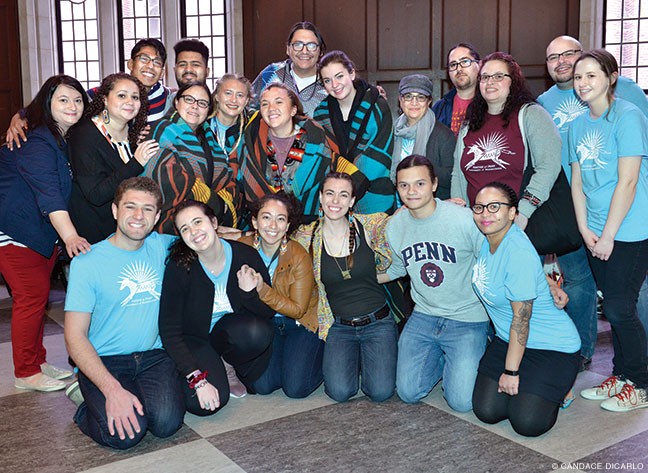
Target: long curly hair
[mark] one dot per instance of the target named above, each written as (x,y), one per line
(107,85)
(292,204)
(179,252)
(519,93)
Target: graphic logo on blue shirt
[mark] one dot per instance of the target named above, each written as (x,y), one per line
(139,277)
(489,148)
(590,149)
(567,111)
(480,279)
(431,275)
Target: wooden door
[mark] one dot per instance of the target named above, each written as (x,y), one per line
(388,39)
(10,79)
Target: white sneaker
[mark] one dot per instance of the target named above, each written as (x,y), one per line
(39,382)
(607,389)
(628,399)
(73,392)
(54,372)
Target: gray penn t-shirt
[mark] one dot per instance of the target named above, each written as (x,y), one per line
(438,253)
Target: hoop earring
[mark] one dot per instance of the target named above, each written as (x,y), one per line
(284,245)
(257,241)
(105,116)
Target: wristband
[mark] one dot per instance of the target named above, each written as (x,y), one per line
(512,373)
(196,379)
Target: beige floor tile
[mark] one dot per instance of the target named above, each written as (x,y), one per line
(197,456)
(582,429)
(56,355)
(256,409)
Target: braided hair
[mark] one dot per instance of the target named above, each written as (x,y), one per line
(352,228)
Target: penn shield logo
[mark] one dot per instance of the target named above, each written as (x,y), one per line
(431,275)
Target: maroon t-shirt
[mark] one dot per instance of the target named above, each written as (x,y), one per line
(493,153)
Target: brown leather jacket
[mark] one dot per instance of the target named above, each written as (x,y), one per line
(293,292)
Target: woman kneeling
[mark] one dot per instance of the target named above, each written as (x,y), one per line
(532,362)
(209,309)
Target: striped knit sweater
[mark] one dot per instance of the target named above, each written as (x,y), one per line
(370,144)
(182,168)
(319,155)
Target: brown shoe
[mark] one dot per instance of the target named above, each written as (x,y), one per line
(237,388)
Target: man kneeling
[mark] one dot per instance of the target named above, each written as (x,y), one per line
(128,382)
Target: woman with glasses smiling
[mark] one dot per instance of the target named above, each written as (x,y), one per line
(186,166)
(417,131)
(505,132)
(533,360)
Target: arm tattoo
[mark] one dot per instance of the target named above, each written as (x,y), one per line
(520,323)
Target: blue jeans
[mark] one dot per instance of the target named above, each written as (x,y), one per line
(620,279)
(580,287)
(642,305)
(431,348)
(152,377)
(296,362)
(370,351)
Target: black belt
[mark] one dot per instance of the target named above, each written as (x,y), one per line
(365,319)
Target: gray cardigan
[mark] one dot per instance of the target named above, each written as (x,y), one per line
(541,142)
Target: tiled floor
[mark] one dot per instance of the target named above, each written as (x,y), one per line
(274,433)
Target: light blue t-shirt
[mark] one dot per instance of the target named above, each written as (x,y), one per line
(514,273)
(564,106)
(222,304)
(407,148)
(220,131)
(272,266)
(121,291)
(598,144)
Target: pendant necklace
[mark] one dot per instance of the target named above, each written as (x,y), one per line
(346,273)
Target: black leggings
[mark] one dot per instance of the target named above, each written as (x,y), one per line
(529,414)
(244,341)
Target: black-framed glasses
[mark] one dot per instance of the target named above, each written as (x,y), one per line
(464,63)
(492,207)
(145,59)
(299,45)
(497,77)
(190,100)
(418,97)
(570,53)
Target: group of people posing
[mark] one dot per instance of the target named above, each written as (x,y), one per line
(250,239)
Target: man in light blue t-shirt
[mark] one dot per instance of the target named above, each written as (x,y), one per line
(436,243)
(564,106)
(128,383)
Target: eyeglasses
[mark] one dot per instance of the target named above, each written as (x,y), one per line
(299,45)
(144,59)
(497,77)
(464,63)
(570,53)
(492,207)
(418,97)
(190,100)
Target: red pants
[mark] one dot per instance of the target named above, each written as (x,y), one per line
(28,274)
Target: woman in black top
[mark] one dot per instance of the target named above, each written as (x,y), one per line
(209,308)
(103,151)
(355,320)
